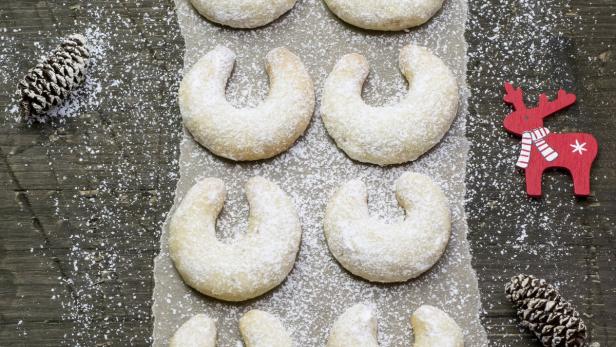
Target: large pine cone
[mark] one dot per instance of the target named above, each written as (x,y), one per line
(51,81)
(543,311)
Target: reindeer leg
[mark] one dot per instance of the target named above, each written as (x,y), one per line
(533,181)
(581,181)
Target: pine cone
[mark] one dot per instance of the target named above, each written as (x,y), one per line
(51,81)
(543,311)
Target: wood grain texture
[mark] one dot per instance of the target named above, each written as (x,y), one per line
(81,202)
(568,241)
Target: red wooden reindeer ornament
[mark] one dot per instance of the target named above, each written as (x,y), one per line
(542,149)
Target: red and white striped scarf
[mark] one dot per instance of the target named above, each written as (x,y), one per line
(535,137)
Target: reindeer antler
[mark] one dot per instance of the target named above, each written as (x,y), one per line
(547,107)
(515,97)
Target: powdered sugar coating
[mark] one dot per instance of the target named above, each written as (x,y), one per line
(262,329)
(250,265)
(382,252)
(243,13)
(198,331)
(434,328)
(248,133)
(357,327)
(258,329)
(396,133)
(389,15)
(318,289)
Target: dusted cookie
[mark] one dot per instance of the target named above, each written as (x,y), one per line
(261,329)
(258,329)
(357,327)
(254,262)
(434,328)
(199,331)
(389,15)
(383,252)
(390,134)
(243,13)
(248,133)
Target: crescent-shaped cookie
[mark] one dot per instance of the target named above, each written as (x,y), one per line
(261,329)
(383,252)
(258,329)
(397,133)
(243,14)
(198,331)
(250,265)
(434,328)
(357,327)
(385,15)
(243,134)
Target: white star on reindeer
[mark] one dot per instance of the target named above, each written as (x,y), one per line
(579,147)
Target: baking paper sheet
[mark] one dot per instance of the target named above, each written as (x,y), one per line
(318,290)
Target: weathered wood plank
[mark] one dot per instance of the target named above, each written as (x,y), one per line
(87,197)
(570,242)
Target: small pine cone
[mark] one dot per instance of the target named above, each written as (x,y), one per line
(522,288)
(543,311)
(51,81)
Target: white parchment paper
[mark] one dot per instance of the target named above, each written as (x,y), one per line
(318,290)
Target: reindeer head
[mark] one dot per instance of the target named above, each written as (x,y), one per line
(524,119)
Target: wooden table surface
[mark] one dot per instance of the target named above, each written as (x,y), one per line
(82,202)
